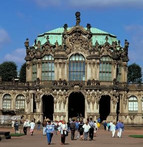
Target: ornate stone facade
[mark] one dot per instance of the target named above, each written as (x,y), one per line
(99,50)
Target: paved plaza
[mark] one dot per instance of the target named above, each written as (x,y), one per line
(103,139)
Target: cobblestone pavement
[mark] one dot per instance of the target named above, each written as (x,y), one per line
(103,139)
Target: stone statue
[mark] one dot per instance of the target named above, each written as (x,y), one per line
(77,14)
(26,43)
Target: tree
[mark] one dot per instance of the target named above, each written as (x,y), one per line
(8,71)
(134,73)
(22,76)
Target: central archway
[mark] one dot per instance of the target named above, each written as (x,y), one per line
(48,106)
(76,105)
(104,107)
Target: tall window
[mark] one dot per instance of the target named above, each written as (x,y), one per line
(20,102)
(6,102)
(34,71)
(77,68)
(48,68)
(133,104)
(105,71)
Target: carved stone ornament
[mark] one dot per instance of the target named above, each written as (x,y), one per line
(132,116)
(77,41)
(27,100)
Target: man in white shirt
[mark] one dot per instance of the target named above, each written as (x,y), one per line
(86,128)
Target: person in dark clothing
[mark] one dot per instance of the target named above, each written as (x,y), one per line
(105,125)
(80,129)
(16,126)
(91,130)
(72,128)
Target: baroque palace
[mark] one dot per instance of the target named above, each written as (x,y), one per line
(75,72)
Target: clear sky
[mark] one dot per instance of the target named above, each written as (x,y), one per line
(21,19)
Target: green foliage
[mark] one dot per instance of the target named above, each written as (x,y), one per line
(16,134)
(22,76)
(8,71)
(134,73)
(136,136)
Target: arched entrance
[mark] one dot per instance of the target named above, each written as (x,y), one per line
(104,107)
(48,106)
(76,105)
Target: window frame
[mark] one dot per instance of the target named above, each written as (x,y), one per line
(132,104)
(6,102)
(77,67)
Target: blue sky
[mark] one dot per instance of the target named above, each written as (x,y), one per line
(21,19)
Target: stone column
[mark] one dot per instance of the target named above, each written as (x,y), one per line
(63,70)
(140,104)
(38,103)
(85,78)
(31,104)
(114,70)
(60,71)
(13,102)
(66,71)
(124,72)
(113,105)
(28,71)
(88,71)
(1,99)
(98,70)
(39,69)
(57,71)
(94,71)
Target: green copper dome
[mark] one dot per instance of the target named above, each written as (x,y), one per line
(56,35)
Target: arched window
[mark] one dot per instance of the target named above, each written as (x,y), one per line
(48,68)
(77,68)
(20,102)
(6,102)
(133,104)
(34,70)
(105,71)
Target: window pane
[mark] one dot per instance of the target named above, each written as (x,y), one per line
(77,67)
(48,70)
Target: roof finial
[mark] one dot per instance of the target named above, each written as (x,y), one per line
(77,14)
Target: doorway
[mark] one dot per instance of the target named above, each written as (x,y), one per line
(104,107)
(48,106)
(76,105)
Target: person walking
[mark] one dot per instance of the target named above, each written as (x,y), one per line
(25,126)
(119,127)
(86,128)
(91,130)
(64,131)
(38,124)
(95,128)
(44,124)
(72,128)
(49,131)
(113,129)
(105,125)
(16,126)
(80,129)
(32,126)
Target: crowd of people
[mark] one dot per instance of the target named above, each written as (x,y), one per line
(83,130)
